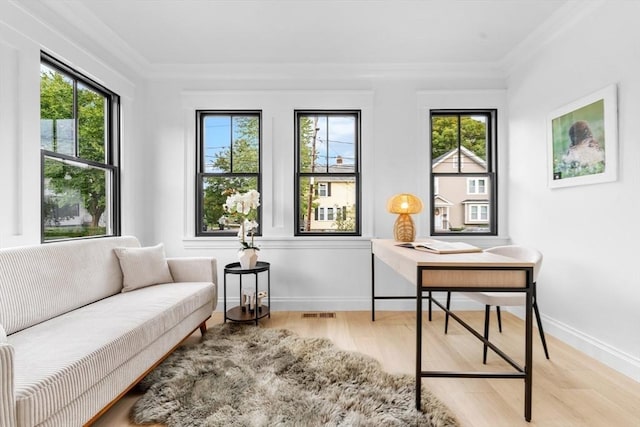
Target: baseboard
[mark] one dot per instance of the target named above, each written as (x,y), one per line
(614,358)
(352,304)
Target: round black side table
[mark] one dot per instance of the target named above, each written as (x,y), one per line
(244,314)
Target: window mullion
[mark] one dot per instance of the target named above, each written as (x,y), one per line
(76,121)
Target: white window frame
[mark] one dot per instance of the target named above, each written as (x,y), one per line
(330,214)
(323,189)
(479,219)
(474,184)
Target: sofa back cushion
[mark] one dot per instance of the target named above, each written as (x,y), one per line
(43,281)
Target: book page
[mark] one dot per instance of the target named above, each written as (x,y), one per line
(441,247)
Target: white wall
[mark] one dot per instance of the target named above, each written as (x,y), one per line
(589,285)
(22,37)
(308,273)
(589,291)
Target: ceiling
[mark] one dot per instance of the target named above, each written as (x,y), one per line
(205,32)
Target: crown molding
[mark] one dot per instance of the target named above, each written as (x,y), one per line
(333,71)
(66,20)
(561,22)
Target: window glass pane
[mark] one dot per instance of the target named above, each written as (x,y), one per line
(75,200)
(57,122)
(91,124)
(229,150)
(217,144)
(327,143)
(341,147)
(343,197)
(231,144)
(453,202)
(311,146)
(215,190)
(473,138)
(246,137)
(444,143)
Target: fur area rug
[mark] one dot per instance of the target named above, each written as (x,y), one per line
(242,375)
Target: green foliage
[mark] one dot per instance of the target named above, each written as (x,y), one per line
(245,152)
(345,223)
(56,105)
(308,201)
(445,130)
(575,169)
(57,233)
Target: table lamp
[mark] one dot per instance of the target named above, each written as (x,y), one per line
(404,204)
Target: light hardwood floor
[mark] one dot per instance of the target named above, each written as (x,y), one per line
(571,389)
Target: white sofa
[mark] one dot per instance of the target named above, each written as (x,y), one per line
(72,342)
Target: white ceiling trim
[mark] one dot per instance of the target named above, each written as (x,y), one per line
(99,34)
(95,30)
(562,21)
(285,71)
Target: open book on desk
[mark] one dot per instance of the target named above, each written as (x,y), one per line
(440,247)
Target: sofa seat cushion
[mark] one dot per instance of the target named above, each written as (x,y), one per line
(58,360)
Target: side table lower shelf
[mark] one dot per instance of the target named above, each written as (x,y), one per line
(237,315)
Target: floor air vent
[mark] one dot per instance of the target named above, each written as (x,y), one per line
(323,315)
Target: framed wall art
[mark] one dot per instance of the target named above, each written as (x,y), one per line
(583,140)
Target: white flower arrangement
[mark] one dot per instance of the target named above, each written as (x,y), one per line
(244,206)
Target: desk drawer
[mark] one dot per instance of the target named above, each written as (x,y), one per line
(474,278)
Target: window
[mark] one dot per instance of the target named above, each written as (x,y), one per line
(79,140)
(329,214)
(476,213)
(463,175)
(476,186)
(323,189)
(228,161)
(327,172)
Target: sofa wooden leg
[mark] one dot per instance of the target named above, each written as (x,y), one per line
(203,328)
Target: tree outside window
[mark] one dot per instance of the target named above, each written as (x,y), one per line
(78,119)
(463,176)
(228,161)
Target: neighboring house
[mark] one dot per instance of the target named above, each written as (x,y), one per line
(461,200)
(334,199)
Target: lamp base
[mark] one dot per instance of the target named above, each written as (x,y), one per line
(403,229)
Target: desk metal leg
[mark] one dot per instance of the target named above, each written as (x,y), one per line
(528,353)
(419,345)
(373,289)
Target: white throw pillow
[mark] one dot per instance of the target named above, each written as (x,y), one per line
(143,267)
(3,335)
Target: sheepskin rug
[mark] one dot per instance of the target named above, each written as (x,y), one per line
(242,375)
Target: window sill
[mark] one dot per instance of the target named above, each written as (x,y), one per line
(284,242)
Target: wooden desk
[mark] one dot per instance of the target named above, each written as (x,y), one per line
(469,272)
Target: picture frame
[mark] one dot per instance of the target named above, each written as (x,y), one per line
(583,140)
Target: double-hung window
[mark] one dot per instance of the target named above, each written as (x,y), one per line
(79,139)
(463,172)
(327,172)
(228,161)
